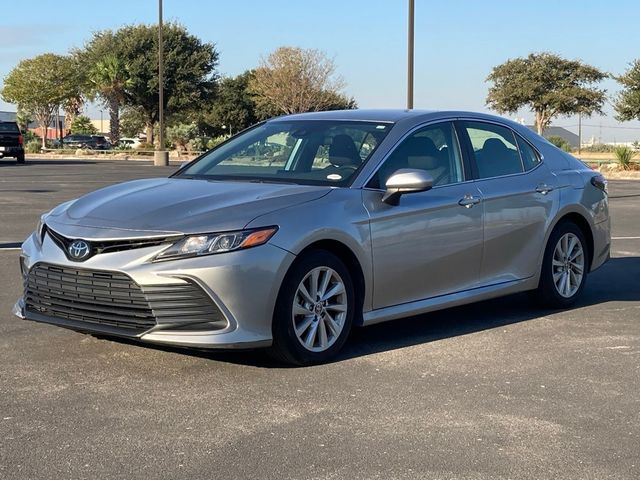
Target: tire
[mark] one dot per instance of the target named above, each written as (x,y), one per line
(20,158)
(553,291)
(326,321)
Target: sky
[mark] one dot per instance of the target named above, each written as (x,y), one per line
(457,42)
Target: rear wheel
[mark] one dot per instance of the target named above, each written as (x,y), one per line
(565,265)
(20,158)
(314,311)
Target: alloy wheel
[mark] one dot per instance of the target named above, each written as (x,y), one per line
(319,309)
(568,265)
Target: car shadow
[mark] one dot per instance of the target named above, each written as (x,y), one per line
(617,280)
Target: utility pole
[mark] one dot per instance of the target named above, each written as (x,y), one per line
(579,133)
(161,157)
(410,55)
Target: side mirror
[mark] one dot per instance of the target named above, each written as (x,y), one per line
(406,180)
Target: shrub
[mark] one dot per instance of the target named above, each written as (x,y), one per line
(181,134)
(145,146)
(199,144)
(559,142)
(599,148)
(624,155)
(29,136)
(33,146)
(214,142)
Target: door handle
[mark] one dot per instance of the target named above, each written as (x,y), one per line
(543,188)
(469,201)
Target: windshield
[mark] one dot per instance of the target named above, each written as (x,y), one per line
(309,152)
(9,127)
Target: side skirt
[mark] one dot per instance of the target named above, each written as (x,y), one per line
(450,300)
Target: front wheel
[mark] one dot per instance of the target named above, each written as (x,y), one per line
(565,266)
(314,311)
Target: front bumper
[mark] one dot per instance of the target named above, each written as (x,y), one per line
(243,285)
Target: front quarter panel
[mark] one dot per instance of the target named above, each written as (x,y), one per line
(339,216)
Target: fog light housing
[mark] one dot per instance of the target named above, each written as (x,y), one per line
(24,270)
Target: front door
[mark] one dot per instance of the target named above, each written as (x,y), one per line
(431,243)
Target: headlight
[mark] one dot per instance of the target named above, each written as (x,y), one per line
(211,243)
(40,229)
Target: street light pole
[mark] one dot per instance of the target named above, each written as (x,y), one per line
(579,133)
(161,157)
(410,55)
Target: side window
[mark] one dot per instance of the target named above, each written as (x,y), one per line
(530,157)
(494,148)
(433,148)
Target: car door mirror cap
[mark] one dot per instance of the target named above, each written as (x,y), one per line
(406,180)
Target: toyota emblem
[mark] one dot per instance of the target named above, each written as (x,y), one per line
(79,250)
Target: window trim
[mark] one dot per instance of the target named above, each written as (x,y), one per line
(464,165)
(470,153)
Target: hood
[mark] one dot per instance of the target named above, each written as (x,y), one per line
(165,206)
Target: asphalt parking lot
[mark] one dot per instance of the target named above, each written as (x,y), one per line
(494,390)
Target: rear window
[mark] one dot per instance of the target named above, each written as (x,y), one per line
(9,127)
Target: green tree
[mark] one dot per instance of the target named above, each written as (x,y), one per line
(23,118)
(627,104)
(181,134)
(189,70)
(40,85)
(559,142)
(549,85)
(76,90)
(131,122)
(83,125)
(109,78)
(234,107)
(294,80)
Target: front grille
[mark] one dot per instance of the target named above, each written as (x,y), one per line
(95,299)
(107,246)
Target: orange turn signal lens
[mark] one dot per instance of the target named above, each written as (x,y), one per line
(258,237)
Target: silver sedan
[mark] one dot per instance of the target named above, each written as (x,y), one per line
(298,229)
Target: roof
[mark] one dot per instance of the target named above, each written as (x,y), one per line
(388,115)
(380,115)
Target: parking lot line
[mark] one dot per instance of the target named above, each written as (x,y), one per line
(625,238)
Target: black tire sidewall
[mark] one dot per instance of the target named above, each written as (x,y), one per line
(286,345)
(547,288)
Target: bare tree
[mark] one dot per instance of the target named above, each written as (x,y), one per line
(294,80)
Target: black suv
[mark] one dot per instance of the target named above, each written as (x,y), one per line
(11,141)
(91,142)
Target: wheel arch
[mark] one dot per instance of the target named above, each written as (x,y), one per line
(583,224)
(349,258)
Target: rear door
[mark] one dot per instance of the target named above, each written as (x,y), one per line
(519,196)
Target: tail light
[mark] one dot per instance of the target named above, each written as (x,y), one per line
(599,182)
(20,139)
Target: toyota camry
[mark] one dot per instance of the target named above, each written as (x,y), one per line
(293,232)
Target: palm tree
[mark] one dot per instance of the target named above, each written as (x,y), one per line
(109,79)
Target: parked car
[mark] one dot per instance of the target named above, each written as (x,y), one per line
(125,142)
(11,141)
(90,142)
(100,142)
(242,251)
